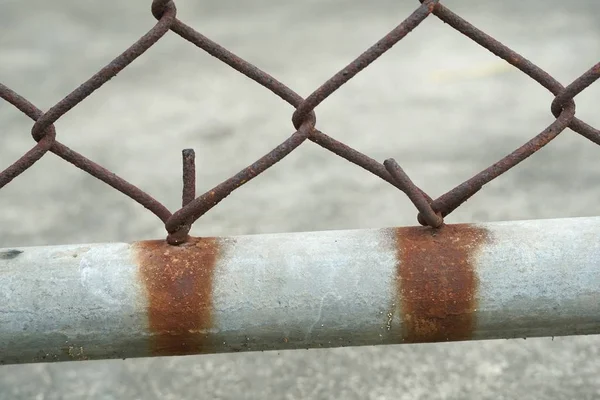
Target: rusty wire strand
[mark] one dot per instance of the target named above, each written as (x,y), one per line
(363,61)
(178,224)
(189,176)
(415,194)
(237,63)
(356,157)
(188,195)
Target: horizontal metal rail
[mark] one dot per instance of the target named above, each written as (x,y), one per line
(300,290)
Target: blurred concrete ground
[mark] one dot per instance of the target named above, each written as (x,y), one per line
(442,106)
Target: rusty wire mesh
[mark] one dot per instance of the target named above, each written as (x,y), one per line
(178,224)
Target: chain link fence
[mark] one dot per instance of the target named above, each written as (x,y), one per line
(431,212)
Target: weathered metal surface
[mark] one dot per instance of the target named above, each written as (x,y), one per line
(178,282)
(301,290)
(305,290)
(437,281)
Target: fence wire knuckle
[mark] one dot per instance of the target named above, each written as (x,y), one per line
(431,212)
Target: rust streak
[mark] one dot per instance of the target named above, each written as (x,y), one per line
(178,282)
(437,284)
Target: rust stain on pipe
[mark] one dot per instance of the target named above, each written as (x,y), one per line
(437,283)
(178,282)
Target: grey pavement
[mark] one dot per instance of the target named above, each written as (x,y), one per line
(441,105)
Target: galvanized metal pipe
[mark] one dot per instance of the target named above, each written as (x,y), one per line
(300,290)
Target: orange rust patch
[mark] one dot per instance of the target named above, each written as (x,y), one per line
(178,282)
(436,281)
